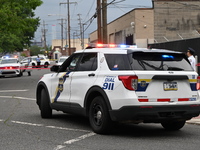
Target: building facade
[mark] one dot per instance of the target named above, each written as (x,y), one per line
(176,19)
(168,20)
(135,27)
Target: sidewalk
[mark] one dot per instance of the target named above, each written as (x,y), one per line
(195,120)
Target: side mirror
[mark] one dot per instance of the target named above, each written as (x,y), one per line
(55,68)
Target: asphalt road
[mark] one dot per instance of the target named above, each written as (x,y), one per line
(22,128)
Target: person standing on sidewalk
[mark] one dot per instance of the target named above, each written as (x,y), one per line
(38,62)
(191,58)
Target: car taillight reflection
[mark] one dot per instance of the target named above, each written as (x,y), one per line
(9,68)
(198,83)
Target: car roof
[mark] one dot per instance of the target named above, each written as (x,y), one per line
(9,58)
(126,50)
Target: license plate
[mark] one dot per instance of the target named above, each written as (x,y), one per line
(170,86)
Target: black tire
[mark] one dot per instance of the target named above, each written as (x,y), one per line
(29,73)
(99,116)
(20,74)
(33,65)
(46,65)
(173,125)
(45,109)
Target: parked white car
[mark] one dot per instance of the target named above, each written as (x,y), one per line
(32,61)
(61,60)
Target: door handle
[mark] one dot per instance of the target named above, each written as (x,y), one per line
(91,74)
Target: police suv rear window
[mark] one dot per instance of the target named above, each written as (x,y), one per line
(117,62)
(160,61)
(148,61)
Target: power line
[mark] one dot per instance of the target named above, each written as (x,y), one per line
(89,21)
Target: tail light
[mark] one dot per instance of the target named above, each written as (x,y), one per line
(11,67)
(198,83)
(8,67)
(129,82)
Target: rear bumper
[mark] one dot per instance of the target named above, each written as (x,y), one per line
(155,114)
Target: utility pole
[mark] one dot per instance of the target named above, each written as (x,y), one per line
(104,21)
(68,14)
(81,31)
(62,33)
(99,24)
(62,27)
(44,30)
(83,36)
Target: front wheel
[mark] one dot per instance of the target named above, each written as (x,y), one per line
(20,74)
(99,116)
(173,125)
(33,65)
(45,109)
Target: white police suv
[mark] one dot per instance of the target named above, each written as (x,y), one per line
(11,66)
(110,85)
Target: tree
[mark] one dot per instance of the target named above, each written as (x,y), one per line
(17,24)
(35,50)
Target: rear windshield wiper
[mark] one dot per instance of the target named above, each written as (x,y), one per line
(152,66)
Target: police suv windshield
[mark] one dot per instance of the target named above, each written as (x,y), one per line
(148,61)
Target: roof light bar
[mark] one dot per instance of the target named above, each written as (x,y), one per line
(99,45)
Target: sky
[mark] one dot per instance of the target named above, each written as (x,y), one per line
(52,11)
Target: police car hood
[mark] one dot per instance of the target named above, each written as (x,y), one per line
(10,65)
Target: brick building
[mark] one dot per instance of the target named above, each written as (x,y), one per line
(168,20)
(134,27)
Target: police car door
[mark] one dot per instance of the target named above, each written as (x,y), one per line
(61,81)
(83,78)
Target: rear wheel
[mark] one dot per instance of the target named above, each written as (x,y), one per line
(46,65)
(99,116)
(45,109)
(173,125)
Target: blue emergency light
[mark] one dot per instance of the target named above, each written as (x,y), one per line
(167,56)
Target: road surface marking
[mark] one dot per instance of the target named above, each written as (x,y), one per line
(58,147)
(41,125)
(26,123)
(80,138)
(32,99)
(69,129)
(74,140)
(4,91)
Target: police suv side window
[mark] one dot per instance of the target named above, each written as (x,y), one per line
(88,62)
(71,63)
